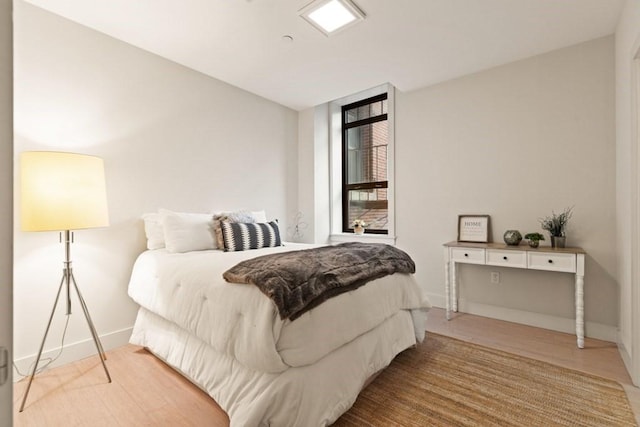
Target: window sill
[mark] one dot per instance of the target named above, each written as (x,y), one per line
(367,238)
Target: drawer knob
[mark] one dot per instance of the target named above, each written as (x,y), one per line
(504,258)
(466,255)
(550,261)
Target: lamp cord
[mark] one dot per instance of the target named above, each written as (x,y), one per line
(49,360)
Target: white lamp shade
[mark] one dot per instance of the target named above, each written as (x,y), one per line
(62,191)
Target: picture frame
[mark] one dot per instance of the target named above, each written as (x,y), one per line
(473,228)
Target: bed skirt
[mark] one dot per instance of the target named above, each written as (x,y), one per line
(311,395)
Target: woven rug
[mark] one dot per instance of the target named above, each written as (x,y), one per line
(448,382)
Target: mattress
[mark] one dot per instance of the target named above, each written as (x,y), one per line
(238,321)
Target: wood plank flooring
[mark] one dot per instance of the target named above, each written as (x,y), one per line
(146,392)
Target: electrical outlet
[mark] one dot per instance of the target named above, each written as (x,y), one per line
(495,277)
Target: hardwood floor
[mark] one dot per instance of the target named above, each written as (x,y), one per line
(145,391)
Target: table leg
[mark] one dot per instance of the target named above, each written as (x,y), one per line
(580,310)
(454,288)
(447,290)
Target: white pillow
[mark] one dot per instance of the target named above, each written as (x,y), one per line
(259,216)
(185,232)
(153,230)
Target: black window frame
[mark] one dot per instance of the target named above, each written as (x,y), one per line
(346,226)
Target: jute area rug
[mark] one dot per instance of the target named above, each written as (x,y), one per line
(448,382)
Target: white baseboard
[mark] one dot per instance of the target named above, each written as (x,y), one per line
(72,352)
(545,321)
(437,300)
(625,354)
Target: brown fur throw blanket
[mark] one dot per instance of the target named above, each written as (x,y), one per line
(297,281)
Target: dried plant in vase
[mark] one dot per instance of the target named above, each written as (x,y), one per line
(556,225)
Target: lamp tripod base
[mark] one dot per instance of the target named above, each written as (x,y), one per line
(68,279)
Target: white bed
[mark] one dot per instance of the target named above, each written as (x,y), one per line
(230,341)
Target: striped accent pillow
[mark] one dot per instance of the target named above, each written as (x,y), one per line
(241,236)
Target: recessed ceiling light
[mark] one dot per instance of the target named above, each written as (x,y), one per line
(331,16)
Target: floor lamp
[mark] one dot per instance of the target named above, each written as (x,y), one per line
(63,192)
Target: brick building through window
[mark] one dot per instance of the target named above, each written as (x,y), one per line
(365,138)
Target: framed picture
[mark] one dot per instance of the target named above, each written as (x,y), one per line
(473,228)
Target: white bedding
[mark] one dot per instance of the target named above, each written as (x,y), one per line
(309,396)
(242,323)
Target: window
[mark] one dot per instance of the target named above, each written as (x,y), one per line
(348,199)
(365,142)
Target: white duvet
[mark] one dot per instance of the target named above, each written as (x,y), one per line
(308,396)
(239,321)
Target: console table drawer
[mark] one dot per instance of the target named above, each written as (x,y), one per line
(552,261)
(507,258)
(468,255)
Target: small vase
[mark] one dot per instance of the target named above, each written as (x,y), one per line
(512,237)
(534,243)
(558,241)
(358,230)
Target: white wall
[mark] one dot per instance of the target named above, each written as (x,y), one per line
(627,46)
(6,198)
(313,174)
(170,137)
(515,142)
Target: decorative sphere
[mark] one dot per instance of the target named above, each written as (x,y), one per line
(512,237)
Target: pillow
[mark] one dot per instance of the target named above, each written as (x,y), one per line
(259,216)
(239,236)
(153,230)
(237,216)
(185,232)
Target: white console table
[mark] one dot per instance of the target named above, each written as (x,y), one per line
(564,260)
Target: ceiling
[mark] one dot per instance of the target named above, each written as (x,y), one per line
(408,43)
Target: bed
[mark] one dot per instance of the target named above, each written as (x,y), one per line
(229,340)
